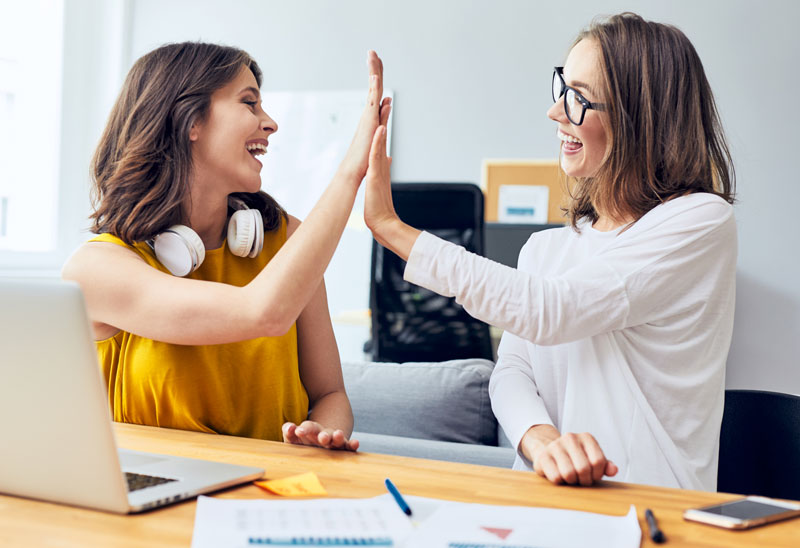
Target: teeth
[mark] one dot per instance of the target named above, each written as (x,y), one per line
(568,138)
(256,148)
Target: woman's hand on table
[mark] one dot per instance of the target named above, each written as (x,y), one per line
(314,434)
(566,458)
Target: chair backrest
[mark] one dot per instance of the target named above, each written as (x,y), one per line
(759,450)
(412,324)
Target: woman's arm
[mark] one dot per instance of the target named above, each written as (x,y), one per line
(681,246)
(520,410)
(330,418)
(516,301)
(514,393)
(511,299)
(123,292)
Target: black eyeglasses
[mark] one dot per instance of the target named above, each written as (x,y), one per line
(575,104)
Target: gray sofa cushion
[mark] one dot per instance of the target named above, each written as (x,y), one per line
(446,401)
(501,457)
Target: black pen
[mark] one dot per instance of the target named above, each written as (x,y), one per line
(655,533)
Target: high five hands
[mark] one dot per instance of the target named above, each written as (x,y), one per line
(379,213)
(375,114)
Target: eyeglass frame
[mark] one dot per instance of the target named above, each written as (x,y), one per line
(585,103)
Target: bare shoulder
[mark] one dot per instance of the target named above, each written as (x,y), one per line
(92,258)
(292,225)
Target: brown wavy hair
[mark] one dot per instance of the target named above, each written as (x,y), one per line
(142,166)
(665,136)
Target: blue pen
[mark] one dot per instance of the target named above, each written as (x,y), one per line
(398,497)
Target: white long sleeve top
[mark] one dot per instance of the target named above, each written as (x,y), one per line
(623,334)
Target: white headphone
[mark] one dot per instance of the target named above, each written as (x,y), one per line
(181,250)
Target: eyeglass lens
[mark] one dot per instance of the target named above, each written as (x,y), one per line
(557,86)
(572,106)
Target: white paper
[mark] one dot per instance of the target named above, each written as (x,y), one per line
(523,204)
(435,524)
(456,524)
(246,523)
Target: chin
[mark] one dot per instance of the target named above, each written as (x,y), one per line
(570,168)
(576,169)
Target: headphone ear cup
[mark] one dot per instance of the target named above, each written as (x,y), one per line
(241,232)
(179,249)
(259,240)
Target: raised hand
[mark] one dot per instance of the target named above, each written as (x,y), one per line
(379,213)
(378,205)
(313,433)
(376,112)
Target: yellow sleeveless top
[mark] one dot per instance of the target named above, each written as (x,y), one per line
(247,388)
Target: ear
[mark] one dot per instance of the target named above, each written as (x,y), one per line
(194,132)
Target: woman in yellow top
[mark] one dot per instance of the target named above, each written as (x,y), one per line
(207,300)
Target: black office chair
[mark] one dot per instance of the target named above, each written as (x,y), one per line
(412,324)
(759,451)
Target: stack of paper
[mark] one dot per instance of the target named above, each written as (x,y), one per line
(380,522)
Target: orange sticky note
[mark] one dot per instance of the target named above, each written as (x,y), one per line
(302,485)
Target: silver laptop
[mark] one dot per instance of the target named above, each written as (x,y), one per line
(55,425)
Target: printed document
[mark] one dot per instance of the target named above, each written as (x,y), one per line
(379,521)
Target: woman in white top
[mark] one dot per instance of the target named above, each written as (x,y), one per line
(617,328)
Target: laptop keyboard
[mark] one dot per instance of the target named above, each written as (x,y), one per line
(140,481)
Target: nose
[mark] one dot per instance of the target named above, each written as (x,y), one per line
(268,124)
(556,112)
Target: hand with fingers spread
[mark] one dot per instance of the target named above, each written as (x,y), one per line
(376,112)
(313,433)
(569,458)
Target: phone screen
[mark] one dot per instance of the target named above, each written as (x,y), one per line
(745,509)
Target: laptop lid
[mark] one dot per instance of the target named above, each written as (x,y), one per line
(58,441)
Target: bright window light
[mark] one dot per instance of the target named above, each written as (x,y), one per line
(31,35)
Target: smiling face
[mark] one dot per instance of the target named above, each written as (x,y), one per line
(235,130)
(584,147)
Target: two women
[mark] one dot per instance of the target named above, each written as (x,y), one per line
(617,328)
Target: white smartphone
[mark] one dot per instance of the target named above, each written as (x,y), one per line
(743,513)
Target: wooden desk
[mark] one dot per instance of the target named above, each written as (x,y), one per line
(30,523)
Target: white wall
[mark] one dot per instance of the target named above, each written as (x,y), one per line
(471,81)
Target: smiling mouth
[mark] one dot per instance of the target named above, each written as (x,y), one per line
(256,149)
(569,143)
